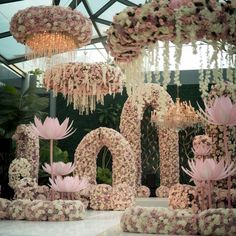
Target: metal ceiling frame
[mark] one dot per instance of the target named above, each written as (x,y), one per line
(73,4)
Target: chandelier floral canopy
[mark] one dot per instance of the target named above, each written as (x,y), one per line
(49,30)
(84,84)
(135,35)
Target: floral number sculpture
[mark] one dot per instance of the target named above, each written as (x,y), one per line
(123,163)
(134,36)
(159,99)
(48,30)
(84,84)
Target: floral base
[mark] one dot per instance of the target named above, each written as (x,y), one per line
(40,210)
(179,222)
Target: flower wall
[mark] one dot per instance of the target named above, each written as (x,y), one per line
(130,127)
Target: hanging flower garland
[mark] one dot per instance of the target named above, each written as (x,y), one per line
(136,30)
(84,84)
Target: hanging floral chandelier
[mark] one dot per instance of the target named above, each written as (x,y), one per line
(179,116)
(50,30)
(140,36)
(84,84)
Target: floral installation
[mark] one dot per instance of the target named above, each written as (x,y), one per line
(162,191)
(164,221)
(18,169)
(27,146)
(44,210)
(101,197)
(202,146)
(84,84)
(68,185)
(205,172)
(4,203)
(135,35)
(158,220)
(74,29)
(222,112)
(123,162)
(217,222)
(130,128)
(122,197)
(143,191)
(60,168)
(217,132)
(16,209)
(51,130)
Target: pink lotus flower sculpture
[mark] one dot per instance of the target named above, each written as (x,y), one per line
(68,184)
(52,130)
(59,168)
(222,112)
(208,170)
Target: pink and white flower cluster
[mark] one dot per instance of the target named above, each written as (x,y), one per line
(39,210)
(143,191)
(59,19)
(130,127)
(79,81)
(202,145)
(163,221)
(169,20)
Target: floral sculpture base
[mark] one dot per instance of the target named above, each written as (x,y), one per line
(179,222)
(40,210)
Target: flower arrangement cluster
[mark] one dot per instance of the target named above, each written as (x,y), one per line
(40,210)
(162,191)
(84,84)
(19,169)
(178,222)
(123,162)
(158,220)
(134,107)
(143,191)
(4,203)
(202,145)
(27,146)
(135,34)
(52,19)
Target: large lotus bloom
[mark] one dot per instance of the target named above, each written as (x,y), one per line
(51,128)
(59,168)
(222,112)
(201,150)
(209,169)
(68,184)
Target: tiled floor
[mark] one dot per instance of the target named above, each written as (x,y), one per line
(100,223)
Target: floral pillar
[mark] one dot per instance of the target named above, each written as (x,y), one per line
(27,146)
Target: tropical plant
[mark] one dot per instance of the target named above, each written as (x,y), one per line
(17,108)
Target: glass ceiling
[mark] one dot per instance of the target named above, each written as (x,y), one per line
(101,13)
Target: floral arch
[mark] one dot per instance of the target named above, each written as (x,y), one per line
(130,127)
(123,162)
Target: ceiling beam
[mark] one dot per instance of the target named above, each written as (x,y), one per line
(127,3)
(74,3)
(102,21)
(5,34)
(9,1)
(104,8)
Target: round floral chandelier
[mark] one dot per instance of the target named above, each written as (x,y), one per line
(50,30)
(140,36)
(84,84)
(179,116)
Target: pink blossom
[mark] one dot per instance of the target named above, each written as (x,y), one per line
(222,112)
(209,169)
(51,128)
(59,168)
(68,184)
(202,150)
